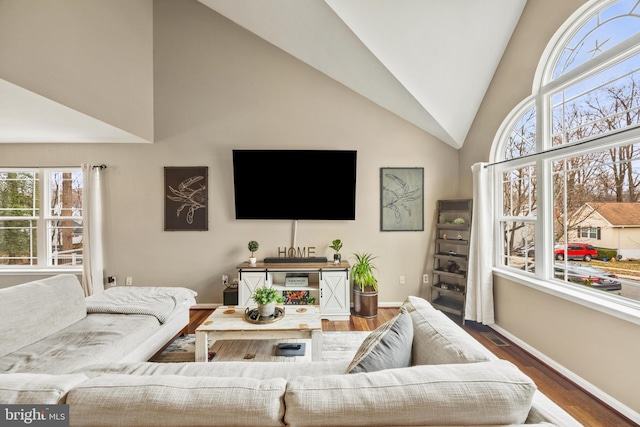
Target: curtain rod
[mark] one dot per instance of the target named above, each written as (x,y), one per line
(564,147)
(102,166)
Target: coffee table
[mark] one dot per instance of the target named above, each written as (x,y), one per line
(228,323)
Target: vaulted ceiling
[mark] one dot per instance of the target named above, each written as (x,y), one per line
(428,61)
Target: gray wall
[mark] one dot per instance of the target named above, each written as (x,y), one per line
(218,87)
(93,56)
(600,348)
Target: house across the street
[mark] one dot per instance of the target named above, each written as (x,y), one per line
(611,225)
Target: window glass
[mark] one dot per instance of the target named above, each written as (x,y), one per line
(522,139)
(517,245)
(599,188)
(591,214)
(606,29)
(23,223)
(519,186)
(589,232)
(518,217)
(19,209)
(597,105)
(64,228)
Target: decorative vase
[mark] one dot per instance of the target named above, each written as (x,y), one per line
(365,304)
(252,261)
(337,258)
(267,310)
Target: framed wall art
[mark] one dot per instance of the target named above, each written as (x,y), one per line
(186,198)
(402,199)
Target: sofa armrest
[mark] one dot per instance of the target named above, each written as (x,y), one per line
(59,300)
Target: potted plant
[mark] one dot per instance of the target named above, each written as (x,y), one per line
(365,286)
(336,245)
(266,297)
(253,246)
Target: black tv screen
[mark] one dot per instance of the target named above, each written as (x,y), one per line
(295,184)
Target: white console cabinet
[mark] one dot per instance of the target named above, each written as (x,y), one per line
(327,283)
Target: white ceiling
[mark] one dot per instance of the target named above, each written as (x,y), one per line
(428,61)
(28,117)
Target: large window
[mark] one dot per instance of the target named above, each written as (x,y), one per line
(569,171)
(40,218)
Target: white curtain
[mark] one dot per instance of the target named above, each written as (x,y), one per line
(479,305)
(92,277)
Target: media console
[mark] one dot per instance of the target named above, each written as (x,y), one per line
(328,283)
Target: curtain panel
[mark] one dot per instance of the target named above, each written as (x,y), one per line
(92,234)
(479,302)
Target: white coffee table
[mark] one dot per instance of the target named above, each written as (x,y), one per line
(228,323)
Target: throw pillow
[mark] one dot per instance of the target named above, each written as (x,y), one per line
(389,346)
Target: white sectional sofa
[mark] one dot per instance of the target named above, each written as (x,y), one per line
(451,380)
(48,326)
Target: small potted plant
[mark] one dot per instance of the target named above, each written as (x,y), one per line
(266,297)
(253,246)
(336,245)
(365,286)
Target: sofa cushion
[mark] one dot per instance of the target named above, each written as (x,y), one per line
(470,394)
(389,346)
(37,388)
(59,300)
(417,303)
(438,340)
(98,338)
(173,400)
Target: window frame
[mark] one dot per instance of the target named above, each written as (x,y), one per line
(44,252)
(585,232)
(543,89)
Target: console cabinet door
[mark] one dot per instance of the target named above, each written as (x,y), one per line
(334,294)
(248,282)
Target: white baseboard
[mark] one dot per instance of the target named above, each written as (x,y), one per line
(606,398)
(389,304)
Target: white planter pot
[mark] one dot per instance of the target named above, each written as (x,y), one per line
(267,310)
(252,261)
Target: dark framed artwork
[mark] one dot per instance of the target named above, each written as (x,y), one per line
(402,199)
(186,198)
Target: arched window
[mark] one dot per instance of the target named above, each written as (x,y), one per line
(568,160)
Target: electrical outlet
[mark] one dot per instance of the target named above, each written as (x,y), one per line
(225,280)
(112,280)
(129,281)
(425,278)
(402,280)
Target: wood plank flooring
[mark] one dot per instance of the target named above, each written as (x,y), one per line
(584,407)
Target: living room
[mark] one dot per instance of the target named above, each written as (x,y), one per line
(190,86)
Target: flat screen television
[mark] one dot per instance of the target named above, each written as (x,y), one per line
(295,184)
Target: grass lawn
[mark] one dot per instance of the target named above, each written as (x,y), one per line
(631,268)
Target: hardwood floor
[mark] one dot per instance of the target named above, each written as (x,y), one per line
(588,410)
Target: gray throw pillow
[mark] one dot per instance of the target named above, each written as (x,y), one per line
(388,347)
